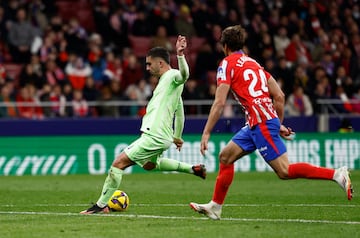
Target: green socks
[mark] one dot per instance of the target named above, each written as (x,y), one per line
(112,183)
(165,164)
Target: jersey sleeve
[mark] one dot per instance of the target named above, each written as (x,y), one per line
(179,120)
(184,70)
(223,75)
(267,74)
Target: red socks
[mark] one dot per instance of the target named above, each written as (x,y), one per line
(297,170)
(223,182)
(305,170)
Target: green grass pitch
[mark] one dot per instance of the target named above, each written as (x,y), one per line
(258,205)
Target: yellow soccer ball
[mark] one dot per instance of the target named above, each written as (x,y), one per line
(119,201)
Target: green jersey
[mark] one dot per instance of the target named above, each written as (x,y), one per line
(164,116)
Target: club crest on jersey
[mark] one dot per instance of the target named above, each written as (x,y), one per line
(220,73)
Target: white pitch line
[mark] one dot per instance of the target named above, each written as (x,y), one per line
(185,205)
(188,218)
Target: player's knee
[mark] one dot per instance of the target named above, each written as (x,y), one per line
(282,174)
(224,158)
(149,166)
(122,162)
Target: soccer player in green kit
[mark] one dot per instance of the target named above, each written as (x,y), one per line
(161,126)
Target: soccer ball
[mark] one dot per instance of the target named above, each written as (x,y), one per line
(119,201)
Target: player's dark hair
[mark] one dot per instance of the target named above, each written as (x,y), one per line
(233,37)
(160,52)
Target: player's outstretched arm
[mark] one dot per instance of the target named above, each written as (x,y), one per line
(181,45)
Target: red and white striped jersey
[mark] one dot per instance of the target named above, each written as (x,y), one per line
(248,83)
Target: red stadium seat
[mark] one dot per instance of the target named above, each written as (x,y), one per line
(81,10)
(195,43)
(140,45)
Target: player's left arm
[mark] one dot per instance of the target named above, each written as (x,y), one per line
(181,45)
(179,125)
(279,102)
(278,97)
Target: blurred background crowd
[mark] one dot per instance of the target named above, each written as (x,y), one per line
(76,57)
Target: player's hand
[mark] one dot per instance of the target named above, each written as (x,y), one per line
(179,143)
(286,133)
(181,45)
(204,143)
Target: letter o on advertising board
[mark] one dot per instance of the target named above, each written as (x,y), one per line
(97,159)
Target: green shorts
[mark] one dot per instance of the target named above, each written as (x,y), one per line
(146,149)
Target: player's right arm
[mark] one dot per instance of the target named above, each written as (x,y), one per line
(214,115)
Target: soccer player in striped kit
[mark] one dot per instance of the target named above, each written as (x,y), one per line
(263,103)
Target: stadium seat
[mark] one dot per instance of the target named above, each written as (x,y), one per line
(81,10)
(196,43)
(140,45)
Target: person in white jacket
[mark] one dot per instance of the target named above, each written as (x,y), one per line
(298,103)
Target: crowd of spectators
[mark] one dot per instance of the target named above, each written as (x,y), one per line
(312,48)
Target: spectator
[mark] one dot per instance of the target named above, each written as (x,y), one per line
(21,36)
(161,15)
(67,91)
(44,96)
(8,110)
(191,92)
(132,94)
(301,77)
(54,74)
(298,103)
(102,21)
(90,90)
(328,64)
(98,65)
(145,90)
(141,25)
(29,76)
(114,67)
(184,22)
(77,71)
(296,51)
(104,109)
(58,102)
(281,41)
(48,49)
(356,98)
(201,16)
(91,93)
(37,14)
(80,106)
(3,75)
(29,107)
(3,27)
(320,92)
(341,79)
(119,30)
(132,73)
(76,37)
(283,73)
(344,105)
(161,39)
